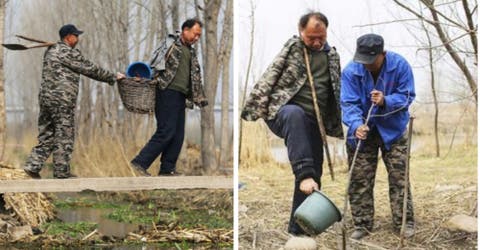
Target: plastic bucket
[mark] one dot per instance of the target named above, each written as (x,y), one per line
(139,69)
(317,213)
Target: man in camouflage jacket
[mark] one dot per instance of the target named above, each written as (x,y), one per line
(62,66)
(177,74)
(282,97)
(165,69)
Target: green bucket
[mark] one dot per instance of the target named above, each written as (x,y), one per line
(316,213)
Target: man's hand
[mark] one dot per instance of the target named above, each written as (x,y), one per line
(308,185)
(120,76)
(377,97)
(361,132)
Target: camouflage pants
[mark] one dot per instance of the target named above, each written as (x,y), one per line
(363,180)
(56,125)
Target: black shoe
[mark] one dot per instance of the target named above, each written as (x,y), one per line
(139,170)
(171,173)
(64,176)
(34,175)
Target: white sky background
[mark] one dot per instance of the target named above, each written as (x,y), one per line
(276,21)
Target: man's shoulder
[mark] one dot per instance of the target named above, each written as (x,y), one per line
(395,60)
(353,68)
(293,41)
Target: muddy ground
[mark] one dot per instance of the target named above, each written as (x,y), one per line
(182,219)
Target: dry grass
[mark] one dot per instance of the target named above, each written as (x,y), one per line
(30,208)
(441,187)
(105,156)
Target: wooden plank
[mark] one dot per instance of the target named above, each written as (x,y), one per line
(115,184)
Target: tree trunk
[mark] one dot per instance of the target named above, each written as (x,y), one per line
(227,43)
(210,60)
(3,118)
(247,75)
(174,8)
(434,92)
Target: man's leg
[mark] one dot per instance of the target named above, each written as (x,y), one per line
(166,115)
(360,191)
(395,162)
(64,120)
(44,148)
(316,145)
(172,151)
(291,124)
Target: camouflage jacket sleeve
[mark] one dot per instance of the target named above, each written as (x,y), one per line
(74,60)
(256,105)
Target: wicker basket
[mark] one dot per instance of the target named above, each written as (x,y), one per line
(137,96)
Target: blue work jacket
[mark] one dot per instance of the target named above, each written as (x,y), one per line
(397,84)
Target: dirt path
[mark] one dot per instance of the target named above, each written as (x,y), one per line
(441,188)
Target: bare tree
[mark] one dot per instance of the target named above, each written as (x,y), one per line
(441,21)
(226,44)
(210,63)
(247,75)
(3,118)
(432,85)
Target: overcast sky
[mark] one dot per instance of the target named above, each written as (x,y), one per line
(276,21)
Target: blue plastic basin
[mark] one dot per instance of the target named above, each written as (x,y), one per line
(139,69)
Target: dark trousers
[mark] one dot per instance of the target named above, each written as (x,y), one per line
(168,138)
(305,148)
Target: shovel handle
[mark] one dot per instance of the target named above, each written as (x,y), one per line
(41,45)
(31,39)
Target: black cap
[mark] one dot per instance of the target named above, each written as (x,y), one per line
(69,29)
(369,46)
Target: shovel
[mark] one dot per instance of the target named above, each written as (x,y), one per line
(15,46)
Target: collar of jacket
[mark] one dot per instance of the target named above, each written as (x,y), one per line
(389,63)
(64,44)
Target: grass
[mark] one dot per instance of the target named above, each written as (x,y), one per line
(72,230)
(187,209)
(103,156)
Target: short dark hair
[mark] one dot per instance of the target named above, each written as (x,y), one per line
(317,15)
(189,23)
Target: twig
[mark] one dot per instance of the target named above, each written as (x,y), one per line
(406,182)
(90,234)
(345,204)
(368,244)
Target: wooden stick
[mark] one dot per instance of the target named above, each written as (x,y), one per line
(405,189)
(317,114)
(90,234)
(31,39)
(352,165)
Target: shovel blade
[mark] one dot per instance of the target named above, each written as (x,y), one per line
(13,46)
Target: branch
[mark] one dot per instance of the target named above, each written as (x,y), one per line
(386,22)
(473,33)
(429,5)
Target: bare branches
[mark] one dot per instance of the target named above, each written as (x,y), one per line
(448,43)
(471,26)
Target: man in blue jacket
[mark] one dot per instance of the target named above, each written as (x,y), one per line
(383,79)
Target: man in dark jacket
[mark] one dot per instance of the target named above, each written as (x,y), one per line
(178,77)
(62,66)
(283,98)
